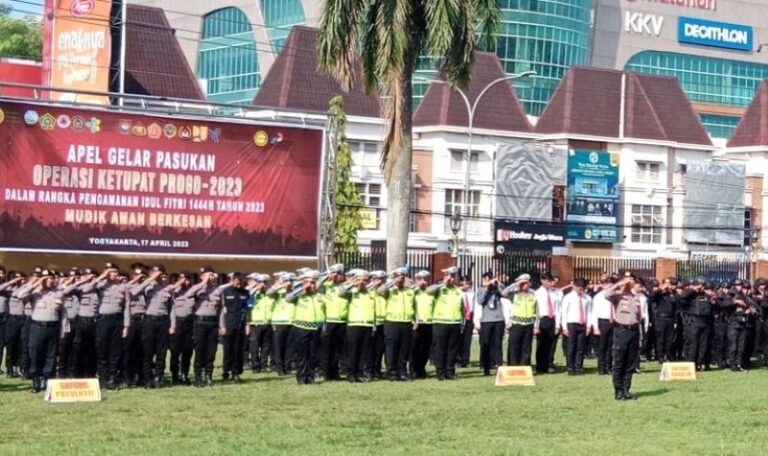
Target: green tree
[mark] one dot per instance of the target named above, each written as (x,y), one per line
(348,204)
(388,36)
(20,38)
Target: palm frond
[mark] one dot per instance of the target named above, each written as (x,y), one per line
(458,61)
(393,33)
(488,16)
(440,17)
(370,47)
(337,38)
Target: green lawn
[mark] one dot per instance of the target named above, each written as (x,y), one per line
(722,413)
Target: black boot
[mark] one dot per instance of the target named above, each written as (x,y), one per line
(159,381)
(175,379)
(208,379)
(199,380)
(186,380)
(35,386)
(628,396)
(618,394)
(112,384)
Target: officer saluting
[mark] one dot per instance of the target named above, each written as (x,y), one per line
(307,326)
(626,335)
(158,296)
(235,302)
(399,323)
(448,319)
(422,337)
(361,320)
(208,324)
(182,330)
(259,329)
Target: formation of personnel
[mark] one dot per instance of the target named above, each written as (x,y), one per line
(119,327)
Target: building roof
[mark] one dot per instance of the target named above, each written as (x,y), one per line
(588,102)
(294,82)
(154,62)
(499,109)
(753,127)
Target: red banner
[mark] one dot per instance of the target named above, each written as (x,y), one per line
(93,180)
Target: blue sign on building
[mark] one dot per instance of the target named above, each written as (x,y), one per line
(703,32)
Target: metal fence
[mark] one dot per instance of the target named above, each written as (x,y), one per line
(511,265)
(591,268)
(377,259)
(712,270)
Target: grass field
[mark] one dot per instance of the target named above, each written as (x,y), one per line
(722,413)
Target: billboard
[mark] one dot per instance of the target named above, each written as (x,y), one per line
(513,236)
(703,32)
(76,48)
(592,195)
(98,181)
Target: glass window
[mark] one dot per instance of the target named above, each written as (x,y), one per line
(646,224)
(370,193)
(647,171)
(458,159)
(454,203)
(279,17)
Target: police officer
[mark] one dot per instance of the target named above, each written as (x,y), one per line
(307,326)
(737,308)
(488,317)
(448,319)
(399,323)
(467,327)
(334,332)
(360,324)
(65,360)
(422,337)
(235,303)
(522,312)
(626,335)
(259,329)
(664,304)
(718,345)
(546,328)
(697,304)
(208,324)
(14,325)
(282,321)
(25,355)
(49,323)
(377,350)
(182,321)
(158,296)
(574,321)
(760,298)
(84,352)
(113,324)
(133,356)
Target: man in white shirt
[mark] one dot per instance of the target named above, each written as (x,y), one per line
(603,317)
(574,321)
(547,324)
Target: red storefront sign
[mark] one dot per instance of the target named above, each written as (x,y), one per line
(93,180)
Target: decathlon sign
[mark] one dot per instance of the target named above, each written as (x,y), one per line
(715,34)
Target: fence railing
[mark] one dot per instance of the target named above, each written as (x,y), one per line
(713,271)
(377,259)
(591,268)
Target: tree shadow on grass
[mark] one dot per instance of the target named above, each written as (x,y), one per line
(651,393)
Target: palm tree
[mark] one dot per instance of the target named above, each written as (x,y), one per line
(388,36)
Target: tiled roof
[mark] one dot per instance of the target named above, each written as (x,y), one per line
(753,128)
(499,109)
(588,102)
(294,82)
(154,62)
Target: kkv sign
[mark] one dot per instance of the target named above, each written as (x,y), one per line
(643,24)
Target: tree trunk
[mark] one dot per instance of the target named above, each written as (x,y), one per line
(399,185)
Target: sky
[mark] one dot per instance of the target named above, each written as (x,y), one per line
(23,8)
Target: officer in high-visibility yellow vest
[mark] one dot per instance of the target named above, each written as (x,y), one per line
(334,333)
(399,323)
(376,352)
(360,324)
(448,319)
(307,327)
(282,319)
(521,303)
(422,337)
(259,329)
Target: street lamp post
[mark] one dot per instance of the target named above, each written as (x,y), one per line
(471,109)
(455,228)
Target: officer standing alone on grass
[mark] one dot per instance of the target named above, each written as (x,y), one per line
(626,335)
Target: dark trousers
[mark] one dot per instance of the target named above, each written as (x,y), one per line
(25,354)
(764,325)
(232,342)
(358,344)
(154,341)
(3,324)
(109,343)
(519,345)
(604,343)
(577,344)
(718,347)
(282,349)
(64,363)
(377,352)
(421,349)
(133,355)
(446,340)
(737,332)
(43,344)
(544,344)
(182,345)
(696,341)
(625,350)
(665,332)
(206,342)
(84,354)
(13,342)
(332,349)
(398,347)
(465,343)
(491,339)
(260,346)
(305,343)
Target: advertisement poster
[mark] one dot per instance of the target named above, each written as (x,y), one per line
(91,180)
(511,236)
(592,196)
(77,48)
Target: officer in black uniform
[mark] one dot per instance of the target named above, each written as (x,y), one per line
(719,338)
(235,303)
(761,302)
(664,302)
(736,308)
(697,304)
